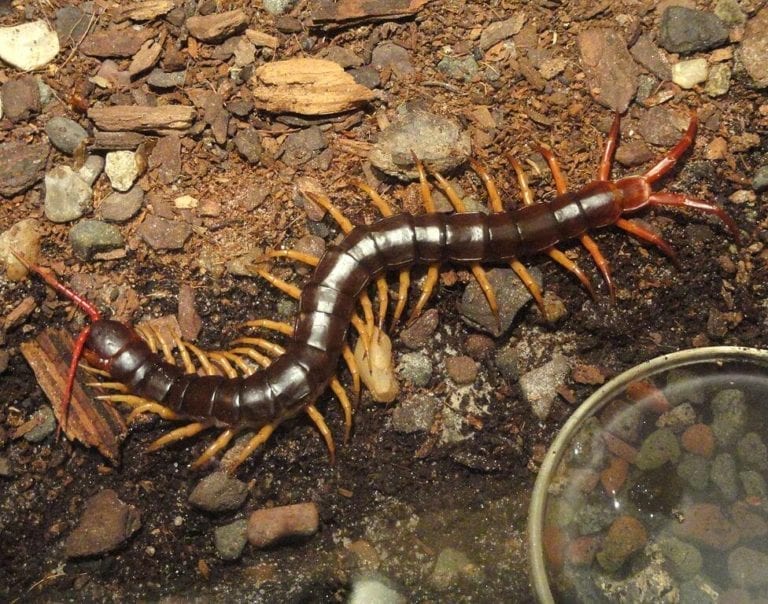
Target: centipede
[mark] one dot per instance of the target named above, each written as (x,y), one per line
(288,380)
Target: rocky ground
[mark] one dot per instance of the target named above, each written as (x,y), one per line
(150,153)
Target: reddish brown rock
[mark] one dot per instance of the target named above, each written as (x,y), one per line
(105,524)
(699,439)
(625,536)
(620,448)
(581,551)
(613,477)
(269,526)
(461,369)
(705,524)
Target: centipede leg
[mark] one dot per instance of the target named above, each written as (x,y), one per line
(682,201)
(604,170)
(259,439)
(218,445)
(402,297)
(648,236)
(589,244)
(156,408)
(433,270)
(179,434)
(354,370)
(325,432)
(346,406)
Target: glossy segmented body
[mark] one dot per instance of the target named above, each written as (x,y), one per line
(294,380)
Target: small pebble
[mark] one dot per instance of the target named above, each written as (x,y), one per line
(414,414)
(539,386)
(658,448)
(685,30)
(219,492)
(418,333)
(724,476)
(688,74)
(269,526)
(230,539)
(751,450)
(684,559)
(121,169)
(65,134)
(748,567)
(28,46)
(461,369)
(91,169)
(705,524)
(46,424)
(120,207)
(163,234)
(67,196)
(89,237)
(730,416)
(625,536)
(416,368)
(451,565)
(105,524)
(699,439)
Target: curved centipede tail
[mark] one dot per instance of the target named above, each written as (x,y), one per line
(77,351)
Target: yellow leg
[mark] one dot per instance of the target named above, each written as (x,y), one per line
(259,439)
(433,274)
(402,297)
(383,291)
(274,349)
(285,287)
(147,336)
(155,408)
(354,371)
(223,363)
(128,399)
(167,353)
(117,386)
(346,405)
(218,445)
(529,283)
(323,201)
(493,193)
(232,357)
(278,326)
(202,358)
(178,434)
(257,357)
(322,427)
(294,255)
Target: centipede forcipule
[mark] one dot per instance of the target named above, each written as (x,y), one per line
(293,381)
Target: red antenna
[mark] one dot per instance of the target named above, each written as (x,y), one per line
(77,350)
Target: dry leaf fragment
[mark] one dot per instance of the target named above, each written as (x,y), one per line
(307,87)
(93,422)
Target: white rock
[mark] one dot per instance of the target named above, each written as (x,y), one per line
(28,46)
(121,169)
(24,239)
(687,74)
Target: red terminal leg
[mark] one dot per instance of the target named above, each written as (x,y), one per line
(604,171)
(681,201)
(79,346)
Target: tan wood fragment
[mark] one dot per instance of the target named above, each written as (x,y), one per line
(93,422)
(135,118)
(330,12)
(307,87)
(146,10)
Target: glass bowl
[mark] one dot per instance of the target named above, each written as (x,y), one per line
(655,488)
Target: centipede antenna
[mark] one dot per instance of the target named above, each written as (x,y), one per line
(83,304)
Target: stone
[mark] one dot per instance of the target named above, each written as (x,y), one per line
(89,237)
(625,536)
(28,46)
(699,439)
(685,30)
(121,169)
(502,30)
(65,134)
(748,567)
(22,238)
(688,74)
(450,566)
(658,448)
(230,539)
(416,368)
(219,492)
(164,234)
(612,74)
(67,196)
(754,48)
(164,80)
(724,476)
(21,98)
(91,169)
(120,207)
(705,524)
(414,414)
(105,524)
(539,386)
(21,166)
(273,525)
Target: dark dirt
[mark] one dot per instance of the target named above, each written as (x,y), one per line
(405,494)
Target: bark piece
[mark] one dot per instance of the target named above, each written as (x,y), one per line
(346,12)
(146,10)
(93,422)
(307,87)
(136,118)
(208,28)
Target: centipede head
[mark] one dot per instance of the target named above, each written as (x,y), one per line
(79,349)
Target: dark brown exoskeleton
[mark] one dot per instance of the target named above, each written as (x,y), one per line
(293,381)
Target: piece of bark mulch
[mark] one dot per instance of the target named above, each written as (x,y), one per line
(347,12)
(93,422)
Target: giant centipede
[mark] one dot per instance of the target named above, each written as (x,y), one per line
(292,382)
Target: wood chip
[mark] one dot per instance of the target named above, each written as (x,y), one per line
(146,10)
(307,87)
(346,12)
(93,422)
(136,118)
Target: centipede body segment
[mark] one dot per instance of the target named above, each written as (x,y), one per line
(235,397)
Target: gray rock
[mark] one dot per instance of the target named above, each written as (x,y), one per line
(730,416)
(21,166)
(718,80)
(219,492)
(760,179)
(439,142)
(730,12)
(684,559)
(91,169)
(164,80)
(508,363)
(248,143)
(89,237)
(46,424)
(658,448)
(119,207)
(230,539)
(748,567)
(67,196)
(71,25)
(539,386)
(414,414)
(65,134)
(416,368)
(277,7)
(724,476)
(421,330)
(752,451)
(695,470)
(511,295)
(299,147)
(452,565)
(458,68)
(754,485)
(685,30)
